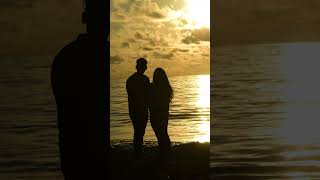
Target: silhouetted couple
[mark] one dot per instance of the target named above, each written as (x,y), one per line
(145,97)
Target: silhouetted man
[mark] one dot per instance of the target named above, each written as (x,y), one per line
(138,87)
(75,80)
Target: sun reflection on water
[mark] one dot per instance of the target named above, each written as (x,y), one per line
(203,83)
(203,107)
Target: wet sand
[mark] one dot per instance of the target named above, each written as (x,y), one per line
(188,161)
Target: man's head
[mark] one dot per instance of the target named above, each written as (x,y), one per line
(85,15)
(141,65)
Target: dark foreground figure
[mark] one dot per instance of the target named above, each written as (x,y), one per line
(76,83)
(138,90)
(82,141)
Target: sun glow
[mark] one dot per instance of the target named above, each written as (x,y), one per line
(197,13)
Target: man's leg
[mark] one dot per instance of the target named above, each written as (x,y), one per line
(139,131)
(137,140)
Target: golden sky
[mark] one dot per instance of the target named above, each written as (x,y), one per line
(34,27)
(173,34)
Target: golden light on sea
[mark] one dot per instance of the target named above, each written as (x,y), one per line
(203,106)
(204,131)
(203,82)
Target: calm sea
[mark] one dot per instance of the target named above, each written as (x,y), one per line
(265,112)
(28,131)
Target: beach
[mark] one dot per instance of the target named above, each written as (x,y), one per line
(187,161)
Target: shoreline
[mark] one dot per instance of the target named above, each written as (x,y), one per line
(187,161)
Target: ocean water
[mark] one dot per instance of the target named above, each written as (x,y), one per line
(265,106)
(264,113)
(189,117)
(28,131)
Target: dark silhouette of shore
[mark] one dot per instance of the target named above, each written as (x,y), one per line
(189,161)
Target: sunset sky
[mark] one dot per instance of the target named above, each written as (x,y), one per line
(173,34)
(34,27)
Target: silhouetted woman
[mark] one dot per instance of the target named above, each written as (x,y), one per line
(161,96)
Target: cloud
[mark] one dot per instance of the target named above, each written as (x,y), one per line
(202,34)
(205,55)
(196,36)
(125,44)
(132,40)
(181,22)
(146,37)
(138,35)
(190,40)
(152,42)
(121,4)
(157,41)
(147,49)
(148,8)
(115,27)
(180,50)
(163,55)
(153,10)
(115,59)
(172,4)
(119,16)
(157,15)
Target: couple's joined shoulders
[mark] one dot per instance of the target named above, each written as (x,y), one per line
(136,75)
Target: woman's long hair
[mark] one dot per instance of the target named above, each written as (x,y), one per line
(162,85)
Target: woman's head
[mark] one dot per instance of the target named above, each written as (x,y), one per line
(161,83)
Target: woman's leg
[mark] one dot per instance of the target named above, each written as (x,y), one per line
(166,135)
(159,123)
(164,140)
